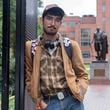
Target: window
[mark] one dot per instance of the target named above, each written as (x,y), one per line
(86,54)
(72,24)
(85,37)
(85,42)
(103,7)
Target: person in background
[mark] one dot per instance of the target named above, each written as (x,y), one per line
(53,80)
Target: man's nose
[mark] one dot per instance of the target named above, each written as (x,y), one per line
(53,22)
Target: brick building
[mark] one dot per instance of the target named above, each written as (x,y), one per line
(103,18)
(82,29)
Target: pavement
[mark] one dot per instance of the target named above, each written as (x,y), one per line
(97,97)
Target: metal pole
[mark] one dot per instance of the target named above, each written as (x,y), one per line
(5,54)
(20,40)
(31,33)
(31,19)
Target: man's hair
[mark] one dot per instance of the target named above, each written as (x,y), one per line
(53,9)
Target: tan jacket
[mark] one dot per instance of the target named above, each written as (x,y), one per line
(75,72)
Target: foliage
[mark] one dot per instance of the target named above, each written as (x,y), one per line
(0,25)
(12,103)
(0,40)
(12,42)
(12,23)
(39,3)
(39,28)
(39,25)
(12,76)
(12,46)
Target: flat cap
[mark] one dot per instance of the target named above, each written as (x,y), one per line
(54,8)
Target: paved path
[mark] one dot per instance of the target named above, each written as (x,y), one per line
(97,97)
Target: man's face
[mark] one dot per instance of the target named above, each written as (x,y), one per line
(51,24)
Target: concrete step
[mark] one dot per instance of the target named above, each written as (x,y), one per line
(99,81)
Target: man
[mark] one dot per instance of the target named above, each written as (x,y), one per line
(53,80)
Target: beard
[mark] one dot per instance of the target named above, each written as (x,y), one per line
(50,31)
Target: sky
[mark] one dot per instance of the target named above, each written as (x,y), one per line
(75,7)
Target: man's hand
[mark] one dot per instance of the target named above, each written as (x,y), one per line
(41,105)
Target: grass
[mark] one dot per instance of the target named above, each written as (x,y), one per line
(11,103)
(88,69)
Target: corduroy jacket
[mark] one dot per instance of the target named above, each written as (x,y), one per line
(75,72)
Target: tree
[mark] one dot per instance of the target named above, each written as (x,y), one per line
(40,3)
(39,25)
(12,42)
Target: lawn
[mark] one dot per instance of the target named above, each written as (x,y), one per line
(88,69)
(11,103)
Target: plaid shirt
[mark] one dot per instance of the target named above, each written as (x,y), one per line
(52,77)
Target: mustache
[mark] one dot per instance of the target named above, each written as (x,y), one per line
(52,27)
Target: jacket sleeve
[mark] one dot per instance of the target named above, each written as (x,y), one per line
(79,68)
(28,66)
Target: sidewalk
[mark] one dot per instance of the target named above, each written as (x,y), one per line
(97,97)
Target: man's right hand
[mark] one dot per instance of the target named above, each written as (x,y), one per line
(41,105)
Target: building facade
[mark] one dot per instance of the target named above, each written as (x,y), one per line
(103,19)
(82,29)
